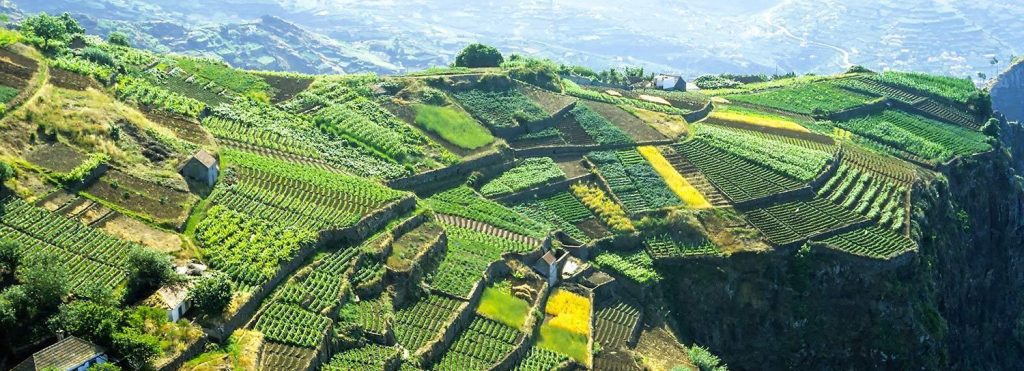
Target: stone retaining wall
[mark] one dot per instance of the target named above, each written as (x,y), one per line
(876,106)
(700,114)
(544,190)
(414,182)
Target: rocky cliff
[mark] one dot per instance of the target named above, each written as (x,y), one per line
(956,304)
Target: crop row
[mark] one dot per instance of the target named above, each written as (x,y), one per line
(500,108)
(737,178)
(480,346)
(469,254)
(894,169)
(791,221)
(922,137)
(247,249)
(342,121)
(636,264)
(65,233)
(633,180)
(614,324)
(82,272)
(807,99)
(291,324)
(540,359)
(598,127)
(142,92)
(323,287)
(664,246)
(367,357)
(233,130)
(536,210)
(465,202)
(575,90)
(799,163)
(866,194)
(871,242)
(532,172)
(373,316)
(422,321)
(610,212)
(953,89)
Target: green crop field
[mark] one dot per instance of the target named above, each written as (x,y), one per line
(453,125)
(807,99)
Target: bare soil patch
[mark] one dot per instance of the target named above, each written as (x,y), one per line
(136,231)
(632,125)
(165,205)
(57,157)
(286,87)
(660,350)
(593,228)
(70,80)
(185,128)
(56,200)
(550,102)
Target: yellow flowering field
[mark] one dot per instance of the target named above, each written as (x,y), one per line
(756,120)
(686,192)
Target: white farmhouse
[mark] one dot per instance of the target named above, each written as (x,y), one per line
(669,82)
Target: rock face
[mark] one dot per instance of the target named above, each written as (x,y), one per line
(957,304)
(1008,93)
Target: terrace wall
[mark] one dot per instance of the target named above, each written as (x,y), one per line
(432,352)
(877,106)
(700,114)
(576,149)
(420,181)
(544,190)
(522,348)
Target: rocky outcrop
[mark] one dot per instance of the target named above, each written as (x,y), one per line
(956,304)
(1008,92)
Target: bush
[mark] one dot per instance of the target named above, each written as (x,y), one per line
(704,360)
(6,172)
(479,55)
(97,55)
(104,367)
(136,348)
(118,38)
(858,69)
(211,295)
(148,269)
(715,82)
(539,72)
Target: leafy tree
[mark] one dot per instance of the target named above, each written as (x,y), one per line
(136,348)
(44,27)
(211,295)
(479,55)
(148,270)
(71,25)
(97,55)
(991,128)
(6,172)
(118,38)
(89,320)
(45,281)
(9,258)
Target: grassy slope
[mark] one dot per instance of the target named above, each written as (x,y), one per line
(454,125)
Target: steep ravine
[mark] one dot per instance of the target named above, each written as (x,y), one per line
(955,305)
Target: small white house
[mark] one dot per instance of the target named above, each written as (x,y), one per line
(201,167)
(550,265)
(173,299)
(68,354)
(669,82)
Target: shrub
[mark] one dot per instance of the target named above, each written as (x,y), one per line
(704,360)
(118,38)
(479,55)
(715,82)
(136,348)
(6,172)
(97,55)
(148,269)
(212,294)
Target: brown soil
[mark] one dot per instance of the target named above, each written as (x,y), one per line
(406,247)
(633,126)
(56,200)
(572,166)
(550,102)
(593,228)
(135,231)
(57,157)
(185,128)
(615,360)
(70,80)
(286,87)
(167,206)
(660,350)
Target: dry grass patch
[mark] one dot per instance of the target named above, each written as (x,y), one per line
(675,181)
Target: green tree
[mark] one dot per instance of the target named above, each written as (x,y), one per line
(136,348)
(89,320)
(148,270)
(991,128)
(71,25)
(705,360)
(211,295)
(45,27)
(45,281)
(9,258)
(118,38)
(6,172)
(479,55)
